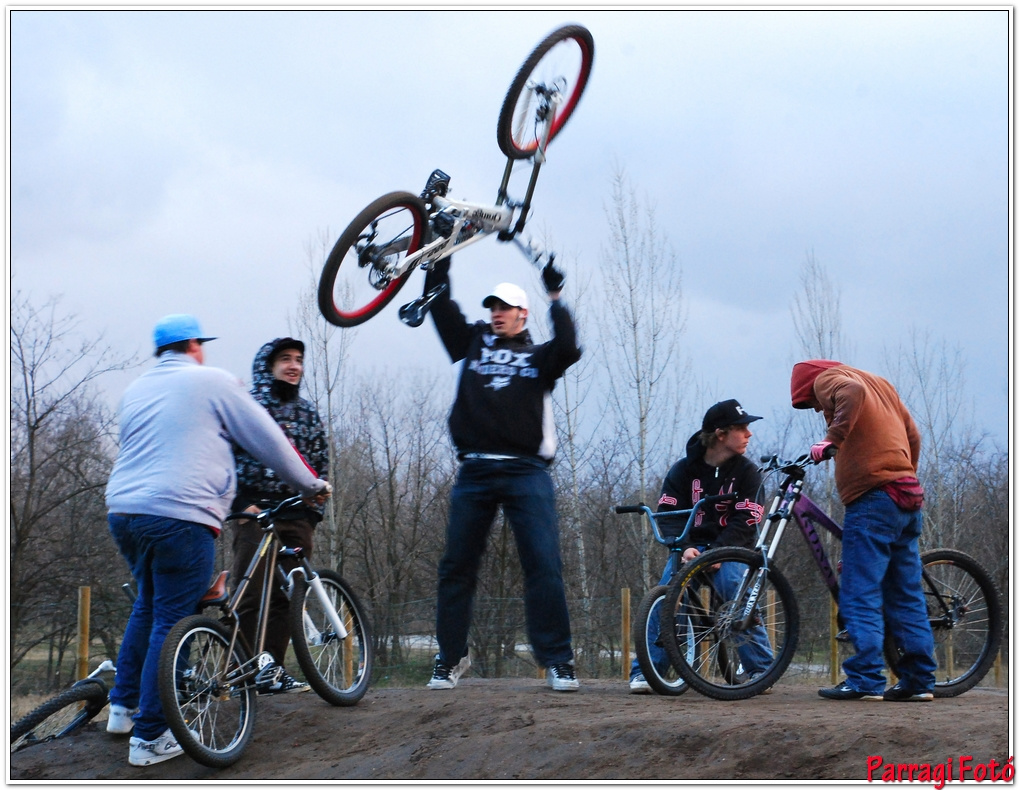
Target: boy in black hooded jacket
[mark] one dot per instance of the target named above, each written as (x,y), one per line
(714,464)
(276,379)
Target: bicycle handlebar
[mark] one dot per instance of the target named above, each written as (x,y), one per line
(268,513)
(690,513)
(773,462)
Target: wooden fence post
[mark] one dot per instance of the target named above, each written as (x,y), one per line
(626,633)
(84,609)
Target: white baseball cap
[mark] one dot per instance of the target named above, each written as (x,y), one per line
(511,294)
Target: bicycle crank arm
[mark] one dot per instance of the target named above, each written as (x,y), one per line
(413,313)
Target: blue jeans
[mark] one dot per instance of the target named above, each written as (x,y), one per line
(172,562)
(524,489)
(657,653)
(755,649)
(881,579)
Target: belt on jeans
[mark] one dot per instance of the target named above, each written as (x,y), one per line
(489,457)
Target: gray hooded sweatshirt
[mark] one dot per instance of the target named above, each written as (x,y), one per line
(177,421)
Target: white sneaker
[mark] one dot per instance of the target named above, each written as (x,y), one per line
(121,720)
(638,685)
(145,753)
(561,677)
(444,676)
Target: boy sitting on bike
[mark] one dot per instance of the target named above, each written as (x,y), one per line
(276,373)
(714,464)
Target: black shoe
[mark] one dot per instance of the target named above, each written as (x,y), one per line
(269,673)
(561,677)
(445,676)
(844,691)
(285,684)
(901,693)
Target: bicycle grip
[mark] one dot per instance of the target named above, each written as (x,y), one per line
(638,508)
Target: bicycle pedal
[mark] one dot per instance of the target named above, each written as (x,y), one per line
(437,184)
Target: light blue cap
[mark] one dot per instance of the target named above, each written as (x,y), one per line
(177,327)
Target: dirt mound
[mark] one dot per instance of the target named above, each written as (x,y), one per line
(520,729)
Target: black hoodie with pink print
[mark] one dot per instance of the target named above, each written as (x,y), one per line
(724,524)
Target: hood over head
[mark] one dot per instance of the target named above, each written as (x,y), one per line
(263,384)
(801,385)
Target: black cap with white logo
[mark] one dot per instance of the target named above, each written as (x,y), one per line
(725,413)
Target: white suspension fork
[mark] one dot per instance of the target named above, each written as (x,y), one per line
(315,582)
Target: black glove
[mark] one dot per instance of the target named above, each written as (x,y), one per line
(552,277)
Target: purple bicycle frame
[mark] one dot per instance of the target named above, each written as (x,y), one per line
(808,517)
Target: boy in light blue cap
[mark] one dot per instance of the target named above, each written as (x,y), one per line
(171,486)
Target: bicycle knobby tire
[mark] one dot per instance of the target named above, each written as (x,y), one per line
(646,634)
(571,63)
(967,635)
(353,286)
(711,655)
(67,712)
(338,669)
(212,719)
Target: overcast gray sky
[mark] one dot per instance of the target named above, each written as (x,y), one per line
(168,161)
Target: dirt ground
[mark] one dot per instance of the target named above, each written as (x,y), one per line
(519,729)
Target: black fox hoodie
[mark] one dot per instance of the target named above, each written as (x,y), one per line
(503,402)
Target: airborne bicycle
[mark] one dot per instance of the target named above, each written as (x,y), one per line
(703,628)
(399,232)
(210,676)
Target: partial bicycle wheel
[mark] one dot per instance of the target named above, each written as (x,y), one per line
(211,717)
(557,70)
(744,623)
(360,277)
(67,712)
(338,668)
(661,676)
(964,606)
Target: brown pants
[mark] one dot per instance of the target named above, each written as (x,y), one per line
(294,533)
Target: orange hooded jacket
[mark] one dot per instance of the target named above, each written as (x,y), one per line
(877,440)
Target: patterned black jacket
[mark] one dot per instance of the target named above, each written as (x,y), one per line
(257,484)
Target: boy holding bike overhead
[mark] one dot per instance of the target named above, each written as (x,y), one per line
(171,486)
(715,464)
(276,375)
(501,425)
(876,446)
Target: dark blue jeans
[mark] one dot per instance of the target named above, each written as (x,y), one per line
(524,489)
(172,562)
(881,580)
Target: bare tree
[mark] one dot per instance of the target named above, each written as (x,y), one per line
(817,318)
(930,377)
(327,384)
(61,452)
(643,324)
(395,528)
(817,312)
